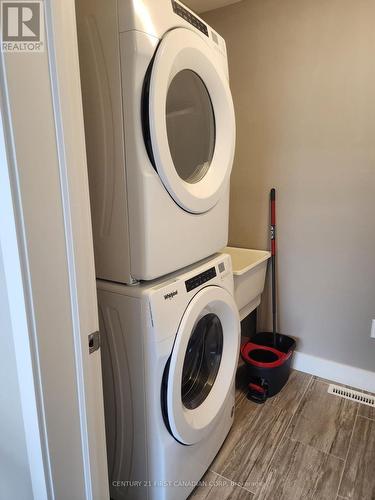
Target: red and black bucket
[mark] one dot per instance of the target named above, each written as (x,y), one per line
(268,355)
(268,364)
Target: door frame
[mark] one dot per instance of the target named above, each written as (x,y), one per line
(47,253)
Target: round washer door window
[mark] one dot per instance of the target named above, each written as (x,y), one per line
(188,120)
(202,361)
(190,126)
(202,365)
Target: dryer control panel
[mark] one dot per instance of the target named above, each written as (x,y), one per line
(200,279)
(189,17)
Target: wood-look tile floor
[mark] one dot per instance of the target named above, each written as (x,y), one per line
(302,444)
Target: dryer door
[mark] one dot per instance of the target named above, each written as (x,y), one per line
(188,120)
(203,364)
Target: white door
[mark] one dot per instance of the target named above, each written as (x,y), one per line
(203,364)
(47,258)
(189,120)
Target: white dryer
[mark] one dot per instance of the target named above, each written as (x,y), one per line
(169,355)
(160,134)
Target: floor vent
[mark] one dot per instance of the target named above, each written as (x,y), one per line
(357,396)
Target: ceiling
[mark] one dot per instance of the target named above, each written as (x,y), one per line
(205,5)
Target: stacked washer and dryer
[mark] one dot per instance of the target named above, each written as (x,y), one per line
(160,134)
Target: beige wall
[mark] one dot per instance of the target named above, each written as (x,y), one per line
(303,80)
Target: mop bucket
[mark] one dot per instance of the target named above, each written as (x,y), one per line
(268,356)
(268,364)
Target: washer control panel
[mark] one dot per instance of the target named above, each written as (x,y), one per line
(200,279)
(189,17)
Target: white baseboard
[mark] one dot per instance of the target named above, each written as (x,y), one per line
(337,372)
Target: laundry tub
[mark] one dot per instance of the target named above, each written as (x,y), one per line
(249,274)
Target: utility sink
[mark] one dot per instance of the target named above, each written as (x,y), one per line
(249,274)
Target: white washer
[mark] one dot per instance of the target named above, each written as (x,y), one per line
(160,133)
(169,356)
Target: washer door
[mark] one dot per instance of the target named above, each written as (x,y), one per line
(188,120)
(203,364)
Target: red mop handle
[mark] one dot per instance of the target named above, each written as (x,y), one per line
(273,263)
(273,222)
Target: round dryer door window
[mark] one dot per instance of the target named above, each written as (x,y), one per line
(188,120)
(190,126)
(202,365)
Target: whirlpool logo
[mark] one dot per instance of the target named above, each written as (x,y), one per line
(169,296)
